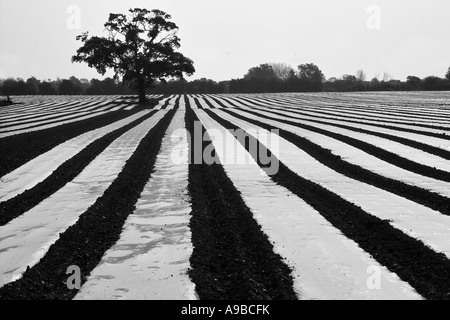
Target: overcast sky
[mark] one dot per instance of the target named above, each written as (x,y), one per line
(226,38)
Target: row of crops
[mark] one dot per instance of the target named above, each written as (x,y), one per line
(264,196)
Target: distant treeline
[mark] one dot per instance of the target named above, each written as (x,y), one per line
(71,86)
(265,78)
(280,77)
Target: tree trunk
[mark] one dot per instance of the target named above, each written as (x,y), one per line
(141,88)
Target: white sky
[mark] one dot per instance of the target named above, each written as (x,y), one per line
(226,38)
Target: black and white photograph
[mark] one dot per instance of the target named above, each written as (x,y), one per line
(220,158)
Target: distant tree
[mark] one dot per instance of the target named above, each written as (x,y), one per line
(310,72)
(447,75)
(21,87)
(432,83)
(46,88)
(110,86)
(204,86)
(282,70)
(9,87)
(68,87)
(292,83)
(32,85)
(85,84)
(349,78)
(262,72)
(75,81)
(374,84)
(361,75)
(140,48)
(311,78)
(413,83)
(172,86)
(95,87)
(257,80)
(347,82)
(386,77)
(395,85)
(56,84)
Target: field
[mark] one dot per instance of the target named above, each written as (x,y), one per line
(264,196)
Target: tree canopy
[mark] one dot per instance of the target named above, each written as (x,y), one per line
(282,70)
(311,72)
(262,72)
(140,48)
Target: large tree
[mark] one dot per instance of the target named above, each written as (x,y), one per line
(140,48)
(448,74)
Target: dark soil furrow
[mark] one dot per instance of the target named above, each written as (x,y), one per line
(255,105)
(197,103)
(166,104)
(84,243)
(39,113)
(46,106)
(302,106)
(206,100)
(368,148)
(424,269)
(51,122)
(221,103)
(356,111)
(52,116)
(232,258)
(65,173)
(32,117)
(419,195)
(19,149)
(384,111)
(111,106)
(298,112)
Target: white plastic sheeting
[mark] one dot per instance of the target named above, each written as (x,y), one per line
(36,170)
(413,219)
(151,259)
(26,239)
(326,264)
